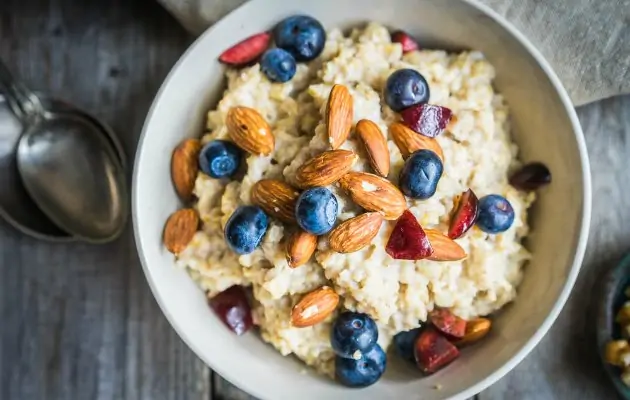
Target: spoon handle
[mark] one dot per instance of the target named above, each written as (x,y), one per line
(24,103)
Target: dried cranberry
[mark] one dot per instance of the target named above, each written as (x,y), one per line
(427,119)
(232,307)
(408,241)
(407,42)
(247,50)
(433,351)
(448,323)
(464,214)
(531,176)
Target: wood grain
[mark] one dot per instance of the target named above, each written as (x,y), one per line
(79,322)
(224,390)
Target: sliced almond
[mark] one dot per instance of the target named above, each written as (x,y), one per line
(314,307)
(184,167)
(339,115)
(444,248)
(249,130)
(476,329)
(276,198)
(325,168)
(300,248)
(355,233)
(409,141)
(179,230)
(375,145)
(374,193)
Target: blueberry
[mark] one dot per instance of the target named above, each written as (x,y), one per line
(405,88)
(496,214)
(302,36)
(405,343)
(353,334)
(220,159)
(316,210)
(363,372)
(245,229)
(278,65)
(420,174)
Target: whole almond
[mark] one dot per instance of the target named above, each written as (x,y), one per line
(444,248)
(355,233)
(300,247)
(314,307)
(249,130)
(179,230)
(409,141)
(374,193)
(339,115)
(476,329)
(276,198)
(375,145)
(325,168)
(184,167)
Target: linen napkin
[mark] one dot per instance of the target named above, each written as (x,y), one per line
(586,41)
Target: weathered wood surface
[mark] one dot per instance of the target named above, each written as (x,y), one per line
(79,322)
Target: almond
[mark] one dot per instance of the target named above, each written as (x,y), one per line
(276,198)
(184,167)
(476,329)
(249,130)
(374,193)
(326,168)
(409,141)
(314,307)
(339,115)
(444,248)
(300,247)
(179,230)
(355,233)
(375,145)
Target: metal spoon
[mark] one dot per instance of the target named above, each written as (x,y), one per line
(16,206)
(68,167)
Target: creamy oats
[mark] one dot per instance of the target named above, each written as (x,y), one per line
(478,153)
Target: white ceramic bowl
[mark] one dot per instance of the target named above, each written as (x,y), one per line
(545,127)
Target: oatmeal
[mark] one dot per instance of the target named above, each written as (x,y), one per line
(477,153)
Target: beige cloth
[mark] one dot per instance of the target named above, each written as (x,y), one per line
(586,41)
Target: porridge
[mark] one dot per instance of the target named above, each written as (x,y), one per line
(364,185)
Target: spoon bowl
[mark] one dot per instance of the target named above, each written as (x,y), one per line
(16,206)
(71,171)
(69,165)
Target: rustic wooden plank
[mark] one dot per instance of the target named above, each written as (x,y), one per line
(78,321)
(565,365)
(224,390)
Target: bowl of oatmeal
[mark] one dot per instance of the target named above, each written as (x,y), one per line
(340,195)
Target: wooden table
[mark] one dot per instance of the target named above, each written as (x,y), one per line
(79,322)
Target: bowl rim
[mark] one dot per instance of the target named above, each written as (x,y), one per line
(579,249)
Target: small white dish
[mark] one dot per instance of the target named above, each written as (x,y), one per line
(545,127)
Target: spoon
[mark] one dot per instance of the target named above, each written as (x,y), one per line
(68,167)
(16,206)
